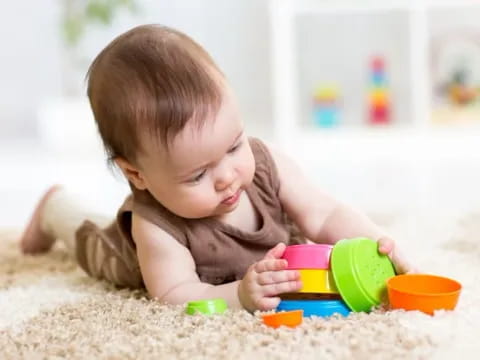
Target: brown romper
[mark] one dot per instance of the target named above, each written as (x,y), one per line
(222,253)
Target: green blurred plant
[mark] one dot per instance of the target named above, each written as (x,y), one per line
(79,14)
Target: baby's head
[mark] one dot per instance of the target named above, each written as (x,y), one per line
(169,121)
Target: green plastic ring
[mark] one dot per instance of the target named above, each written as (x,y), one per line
(361,272)
(207,307)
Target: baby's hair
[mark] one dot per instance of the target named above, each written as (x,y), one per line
(151,80)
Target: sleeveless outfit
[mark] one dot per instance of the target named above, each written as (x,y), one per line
(222,253)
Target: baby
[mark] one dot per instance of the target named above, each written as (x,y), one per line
(211,210)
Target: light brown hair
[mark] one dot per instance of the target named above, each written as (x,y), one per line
(150,80)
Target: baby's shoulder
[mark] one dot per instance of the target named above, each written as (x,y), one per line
(266,179)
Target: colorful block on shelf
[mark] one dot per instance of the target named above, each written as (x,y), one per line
(377,99)
(325,106)
(379,115)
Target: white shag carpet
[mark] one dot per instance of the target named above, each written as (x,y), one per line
(51,309)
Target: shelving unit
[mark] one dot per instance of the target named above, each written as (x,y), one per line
(409,137)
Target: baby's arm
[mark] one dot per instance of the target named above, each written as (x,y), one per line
(321,218)
(168,271)
(168,268)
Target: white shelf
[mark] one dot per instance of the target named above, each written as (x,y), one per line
(372,6)
(288,129)
(394,144)
(438,4)
(325,7)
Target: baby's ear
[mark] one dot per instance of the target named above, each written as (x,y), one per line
(131,172)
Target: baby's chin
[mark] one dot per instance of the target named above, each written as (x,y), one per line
(202,214)
(217,211)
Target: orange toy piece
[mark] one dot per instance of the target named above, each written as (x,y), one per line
(285,318)
(423,292)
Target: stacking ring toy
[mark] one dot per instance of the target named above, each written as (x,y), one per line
(285,318)
(207,307)
(361,272)
(317,281)
(308,256)
(423,292)
(321,308)
(309,296)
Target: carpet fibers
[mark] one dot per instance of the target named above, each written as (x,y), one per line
(49,309)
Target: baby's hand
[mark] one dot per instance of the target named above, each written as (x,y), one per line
(402,266)
(266,279)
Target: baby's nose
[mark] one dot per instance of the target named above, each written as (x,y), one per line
(225,179)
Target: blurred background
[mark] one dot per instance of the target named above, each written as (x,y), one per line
(379,101)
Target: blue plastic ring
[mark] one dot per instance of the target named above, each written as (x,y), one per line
(321,308)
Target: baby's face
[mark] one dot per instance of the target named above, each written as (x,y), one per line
(205,170)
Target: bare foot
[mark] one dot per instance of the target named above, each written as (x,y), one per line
(34,240)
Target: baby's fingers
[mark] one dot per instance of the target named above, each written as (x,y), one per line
(272,277)
(385,245)
(270,265)
(275,252)
(280,288)
(268,303)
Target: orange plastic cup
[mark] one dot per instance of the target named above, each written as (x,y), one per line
(285,318)
(423,292)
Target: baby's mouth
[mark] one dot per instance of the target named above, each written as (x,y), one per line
(232,199)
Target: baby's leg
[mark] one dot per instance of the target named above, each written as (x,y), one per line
(57,215)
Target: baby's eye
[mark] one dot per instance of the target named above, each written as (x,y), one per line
(198,177)
(235,148)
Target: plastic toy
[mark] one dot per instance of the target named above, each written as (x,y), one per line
(308,256)
(285,318)
(356,277)
(459,89)
(360,272)
(319,295)
(317,281)
(378,103)
(325,106)
(310,296)
(207,307)
(423,292)
(315,307)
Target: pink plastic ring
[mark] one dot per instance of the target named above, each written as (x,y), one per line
(308,256)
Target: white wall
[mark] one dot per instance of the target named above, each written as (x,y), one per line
(234,32)
(29,62)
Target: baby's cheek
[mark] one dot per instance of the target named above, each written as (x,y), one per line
(248,168)
(200,202)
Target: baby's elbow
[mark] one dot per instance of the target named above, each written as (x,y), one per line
(176,295)
(162,296)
